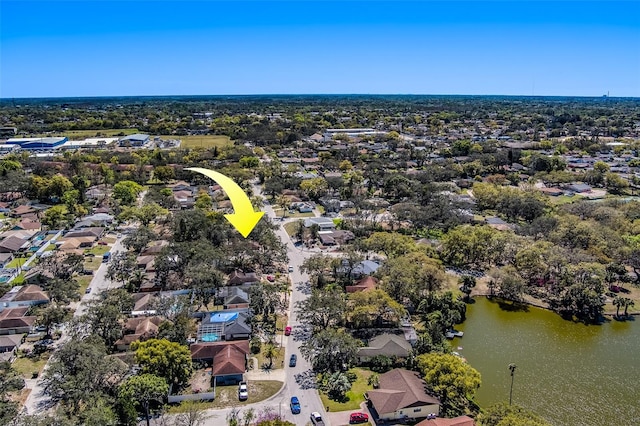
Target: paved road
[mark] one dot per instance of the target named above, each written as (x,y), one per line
(297,378)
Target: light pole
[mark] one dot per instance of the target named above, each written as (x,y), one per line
(512,368)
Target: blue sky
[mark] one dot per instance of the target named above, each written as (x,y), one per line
(113,48)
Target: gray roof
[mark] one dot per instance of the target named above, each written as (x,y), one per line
(387,345)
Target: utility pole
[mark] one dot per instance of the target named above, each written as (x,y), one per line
(512,368)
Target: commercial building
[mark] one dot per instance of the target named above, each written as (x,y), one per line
(351,133)
(136,140)
(37,144)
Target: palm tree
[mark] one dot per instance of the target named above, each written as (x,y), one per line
(627,302)
(270,352)
(617,302)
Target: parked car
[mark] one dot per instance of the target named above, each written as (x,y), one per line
(316,418)
(287,330)
(293,360)
(270,278)
(295,405)
(290,268)
(102,243)
(88,290)
(243,391)
(358,418)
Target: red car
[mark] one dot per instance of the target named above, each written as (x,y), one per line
(287,330)
(270,278)
(358,418)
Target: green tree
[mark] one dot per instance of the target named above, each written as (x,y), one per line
(451,379)
(10,380)
(169,360)
(55,217)
(323,309)
(330,350)
(79,372)
(391,244)
(144,389)
(164,173)
(126,192)
(410,277)
(337,385)
(52,315)
(374,308)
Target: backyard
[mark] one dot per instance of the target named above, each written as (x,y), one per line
(355,396)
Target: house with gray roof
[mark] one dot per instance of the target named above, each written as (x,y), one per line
(389,345)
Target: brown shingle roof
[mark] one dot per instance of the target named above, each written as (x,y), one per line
(17,322)
(14,312)
(366,283)
(228,357)
(12,243)
(399,389)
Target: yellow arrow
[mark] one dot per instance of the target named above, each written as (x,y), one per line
(244,219)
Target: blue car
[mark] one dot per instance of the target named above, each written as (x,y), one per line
(295,405)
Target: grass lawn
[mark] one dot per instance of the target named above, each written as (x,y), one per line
(18,280)
(17,262)
(354,397)
(200,141)
(227,396)
(26,366)
(84,281)
(50,247)
(562,199)
(291,227)
(92,263)
(98,250)
(278,360)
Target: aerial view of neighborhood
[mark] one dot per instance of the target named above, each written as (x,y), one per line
(319,213)
(410,249)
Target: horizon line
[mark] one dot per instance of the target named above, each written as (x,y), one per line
(605,96)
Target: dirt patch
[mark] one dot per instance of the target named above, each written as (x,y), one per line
(200,382)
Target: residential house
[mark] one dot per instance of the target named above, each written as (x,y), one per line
(10,343)
(402,395)
(143,304)
(13,245)
(224,325)
(579,187)
(28,224)
(456,421)
(23,295)
(23,210)
(138,329)
(95,232)
(235,298)
(389,345)
(14,321)
(5,259)
(154,247)
(366,267)
(240,278)
(146,263)
(324,223)
(365,284)
(228,360)
(72,244)
(95,193)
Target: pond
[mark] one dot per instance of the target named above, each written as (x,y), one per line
(569,373)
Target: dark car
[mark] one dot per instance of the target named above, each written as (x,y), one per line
(358,418)
(293,360)
(295,405)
